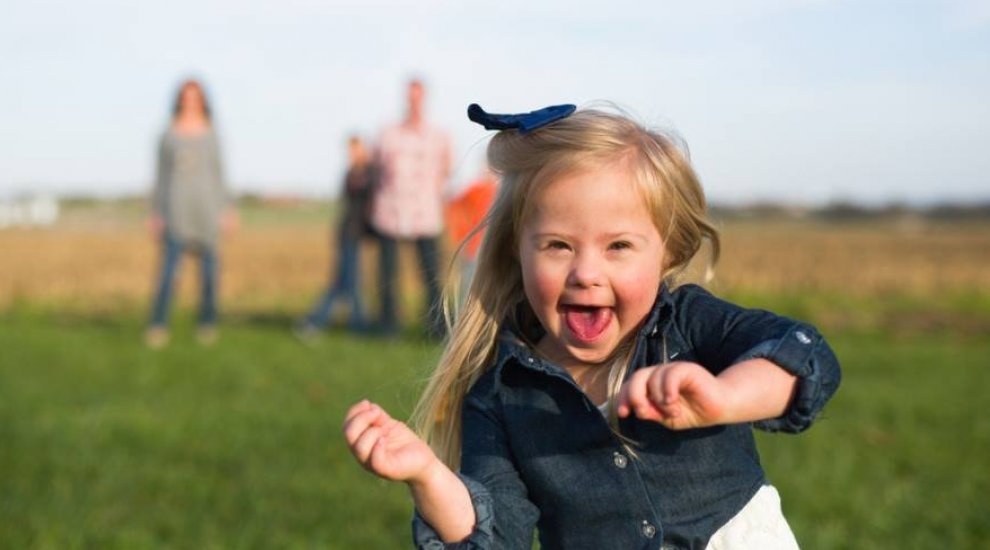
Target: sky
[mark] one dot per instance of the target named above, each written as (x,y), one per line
(799,101)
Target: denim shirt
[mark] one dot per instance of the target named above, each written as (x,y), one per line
(537,453)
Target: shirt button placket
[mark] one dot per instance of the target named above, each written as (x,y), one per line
(648,530)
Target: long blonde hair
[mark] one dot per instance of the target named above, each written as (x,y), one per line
(525,163)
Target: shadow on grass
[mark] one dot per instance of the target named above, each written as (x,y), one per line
(184,320)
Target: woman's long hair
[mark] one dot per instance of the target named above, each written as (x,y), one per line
(177,102)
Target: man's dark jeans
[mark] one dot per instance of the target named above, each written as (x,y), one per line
(428,252)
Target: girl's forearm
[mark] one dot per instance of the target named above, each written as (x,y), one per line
(443,501)
(757,389)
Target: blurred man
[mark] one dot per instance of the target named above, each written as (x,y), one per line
(415,160)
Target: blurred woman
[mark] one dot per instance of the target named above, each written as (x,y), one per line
(190,203)
(359,181)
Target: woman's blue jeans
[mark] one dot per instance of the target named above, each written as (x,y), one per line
(346,287)
(172,250)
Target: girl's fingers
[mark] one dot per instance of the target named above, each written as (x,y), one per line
(378,459)
(663,392)
(356,408)
(644,406)
(670,412)
(633,393)
(669,389)
(359,423)
(364,444)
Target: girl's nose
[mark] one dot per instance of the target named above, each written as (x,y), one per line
(586,271)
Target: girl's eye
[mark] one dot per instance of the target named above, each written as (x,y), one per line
(620,245)
(557,245)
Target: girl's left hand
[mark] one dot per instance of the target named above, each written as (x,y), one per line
(679,395)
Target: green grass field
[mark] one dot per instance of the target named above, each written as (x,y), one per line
(106,444)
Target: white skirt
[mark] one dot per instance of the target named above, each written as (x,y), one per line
(760,524)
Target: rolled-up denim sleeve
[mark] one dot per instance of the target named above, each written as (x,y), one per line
(504,516)
(804,353)
(725,334)
(425,538)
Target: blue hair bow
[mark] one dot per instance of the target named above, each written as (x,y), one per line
(524,122)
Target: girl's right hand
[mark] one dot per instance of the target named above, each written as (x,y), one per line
(385,446)
(680,395)
(389,449)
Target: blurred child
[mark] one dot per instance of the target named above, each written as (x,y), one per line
(189,204)
(584,393)
(358,183)
(464,214)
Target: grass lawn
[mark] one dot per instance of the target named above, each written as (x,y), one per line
(104,443)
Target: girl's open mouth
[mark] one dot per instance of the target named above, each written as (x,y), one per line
(587,323)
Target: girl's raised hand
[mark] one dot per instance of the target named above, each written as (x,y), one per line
(679,395)
(385,446)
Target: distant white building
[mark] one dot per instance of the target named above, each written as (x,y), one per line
(35,211)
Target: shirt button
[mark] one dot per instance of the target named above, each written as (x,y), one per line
(649,531)
(619,459)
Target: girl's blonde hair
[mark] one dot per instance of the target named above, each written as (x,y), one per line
(525,163)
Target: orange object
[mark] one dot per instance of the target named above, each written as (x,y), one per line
(467,210)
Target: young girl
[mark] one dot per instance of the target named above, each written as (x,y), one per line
(189,203)
(582,393)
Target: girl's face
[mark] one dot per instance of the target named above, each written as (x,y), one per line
(591,262)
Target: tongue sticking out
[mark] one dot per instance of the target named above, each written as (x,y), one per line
(587,323)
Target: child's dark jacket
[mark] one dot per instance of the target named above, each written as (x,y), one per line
(538,453)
